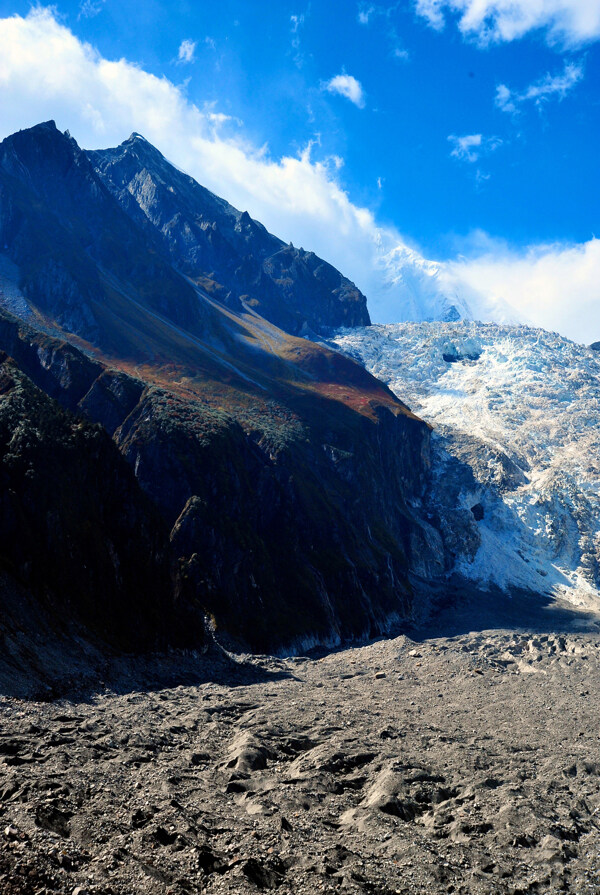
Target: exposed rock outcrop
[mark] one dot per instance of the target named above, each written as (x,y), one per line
(229,253)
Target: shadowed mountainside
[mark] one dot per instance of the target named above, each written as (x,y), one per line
(83,550)
(288,477)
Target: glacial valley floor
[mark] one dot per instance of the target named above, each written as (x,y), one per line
(463,757)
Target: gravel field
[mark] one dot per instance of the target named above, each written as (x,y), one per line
(460,758)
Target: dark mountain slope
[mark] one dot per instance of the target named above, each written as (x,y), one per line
(77,250)
(290,479)
(224,250)
(288,519)
(79,540)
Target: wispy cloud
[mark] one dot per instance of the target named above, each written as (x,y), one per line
(297,23)
(367,14)
(566,22)
(187,49)
(546,88)
(400,53)
(88,9)
(216,118)
(348,86)
(470,147)
(504,99)
(364,14)
(466,148)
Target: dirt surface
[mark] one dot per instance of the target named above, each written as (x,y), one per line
(462,758)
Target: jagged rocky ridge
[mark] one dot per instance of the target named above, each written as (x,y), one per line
(232,256)
(288,479)
(516,449)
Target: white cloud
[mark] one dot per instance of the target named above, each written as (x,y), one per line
(46,72)
(364,14)
(466,148)
(550,86)
(187,48)
(556,287)
(504,99)
(566,22)
(470,147)
(348,86)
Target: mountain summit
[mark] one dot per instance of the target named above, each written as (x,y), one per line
(224,250)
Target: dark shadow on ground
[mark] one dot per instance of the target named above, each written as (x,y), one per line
(75,669)
(216,666)
(458,607)
(79,672)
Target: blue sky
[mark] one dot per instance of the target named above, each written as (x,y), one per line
(472,143)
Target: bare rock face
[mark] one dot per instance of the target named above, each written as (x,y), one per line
(231,254)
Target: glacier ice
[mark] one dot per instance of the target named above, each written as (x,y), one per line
(519,409)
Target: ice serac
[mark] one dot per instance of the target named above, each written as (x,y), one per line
(227,252)
(516,413)
(288,479)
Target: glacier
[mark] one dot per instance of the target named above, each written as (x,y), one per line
(515,412)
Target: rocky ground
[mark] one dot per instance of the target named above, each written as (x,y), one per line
(462,757)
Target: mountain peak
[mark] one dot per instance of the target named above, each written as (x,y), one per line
(45,125)
(38,131)
(135,136)
(138,143)
(41,148)
(224,249)
(136,146)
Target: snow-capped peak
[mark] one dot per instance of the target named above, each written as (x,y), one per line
(418,289)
